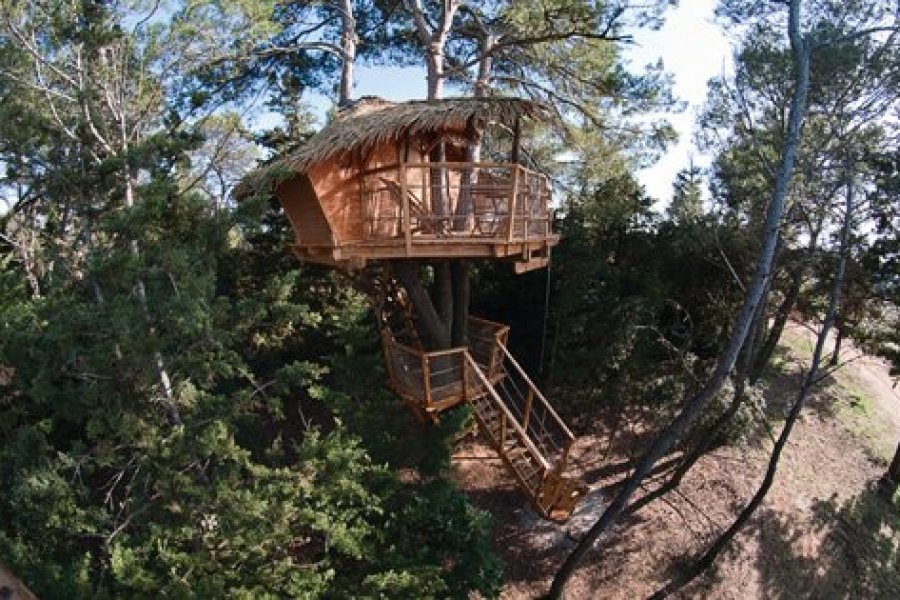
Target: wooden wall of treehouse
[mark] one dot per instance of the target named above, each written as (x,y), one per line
(352,198)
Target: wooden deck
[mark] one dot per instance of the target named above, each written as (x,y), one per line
(444,210)
(431,382)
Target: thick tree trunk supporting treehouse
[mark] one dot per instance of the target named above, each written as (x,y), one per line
(433,332)
(459,277)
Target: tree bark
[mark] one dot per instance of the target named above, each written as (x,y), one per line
(809,382)
(434,332)
(836,353)
(781,318)
(348,51)
(672,433)
(459,275)
(890,481)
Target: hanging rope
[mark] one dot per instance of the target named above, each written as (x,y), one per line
(546,313)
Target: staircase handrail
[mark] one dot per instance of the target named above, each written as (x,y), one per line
(537,392)
(498,401)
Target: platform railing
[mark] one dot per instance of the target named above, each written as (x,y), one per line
(419,202)
(534,413)
(434,380)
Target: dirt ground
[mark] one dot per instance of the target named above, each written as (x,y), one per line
(821,532)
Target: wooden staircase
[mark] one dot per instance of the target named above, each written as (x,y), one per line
(511,412)
(524,439)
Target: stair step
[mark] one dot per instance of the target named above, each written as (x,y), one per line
(533,479)
(517,452)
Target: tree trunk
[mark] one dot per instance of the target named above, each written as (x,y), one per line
(764,355)
(434,333)
(836,353)
(671,434)
(708,438)
(459,275)
(809,382)
(348,51)
(890,481)
(435,70)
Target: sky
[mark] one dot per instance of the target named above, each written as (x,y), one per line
(691,46)
(694,50)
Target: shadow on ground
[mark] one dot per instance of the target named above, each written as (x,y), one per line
(859,556)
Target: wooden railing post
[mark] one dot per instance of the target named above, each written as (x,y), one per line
(388,357)
(502,440)
(528,402)
(564,460)
(426,379)
(404,201)
(512,203)
(497,353)
(465,376)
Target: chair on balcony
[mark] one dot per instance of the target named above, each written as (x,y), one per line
(425,221)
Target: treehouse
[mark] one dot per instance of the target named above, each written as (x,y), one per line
(385,182)
(389,181)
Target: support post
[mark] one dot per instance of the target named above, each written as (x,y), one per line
(465,376)
(528,402)
(564,461)
(503,432)
(426,381)
(407,219)
(512,204)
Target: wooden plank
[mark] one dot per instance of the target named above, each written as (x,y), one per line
(529,265)
(407,219)
(510,226)
(426,379)
(528,402)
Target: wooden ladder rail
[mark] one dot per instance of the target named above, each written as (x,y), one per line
(509,417)
(535,393)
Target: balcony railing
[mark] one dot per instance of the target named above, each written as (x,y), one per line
(433,381)
(419,202)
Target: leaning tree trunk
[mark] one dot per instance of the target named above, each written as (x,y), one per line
(675,430)
(809,382)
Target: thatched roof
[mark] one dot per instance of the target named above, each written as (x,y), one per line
(373,121)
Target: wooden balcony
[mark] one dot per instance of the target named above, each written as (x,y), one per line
(447,210)
(430,382)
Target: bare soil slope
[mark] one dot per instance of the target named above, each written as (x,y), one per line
(821,532)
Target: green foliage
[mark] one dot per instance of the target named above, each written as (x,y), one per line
(180,399)
(258,491)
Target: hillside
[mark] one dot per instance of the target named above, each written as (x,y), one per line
(820,532)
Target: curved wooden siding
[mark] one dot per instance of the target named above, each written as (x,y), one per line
(299,200)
